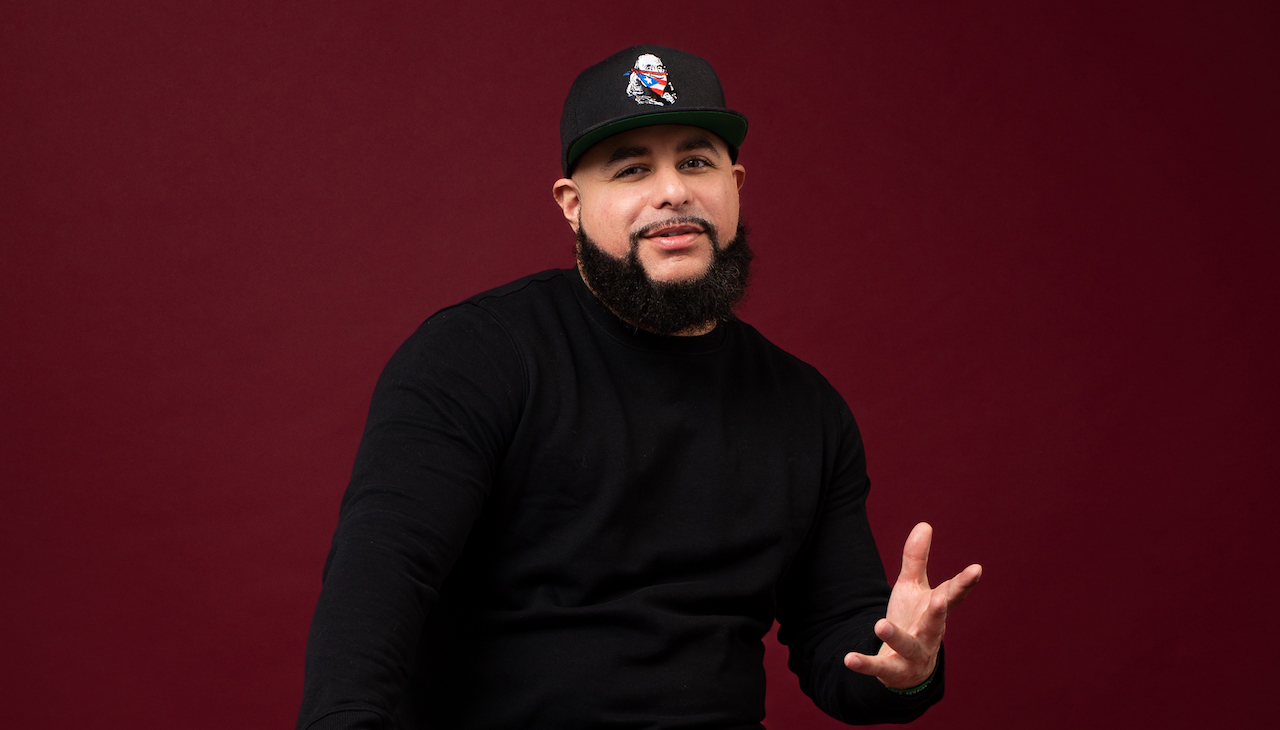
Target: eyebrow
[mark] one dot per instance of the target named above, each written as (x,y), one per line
(698,143)
(626,153)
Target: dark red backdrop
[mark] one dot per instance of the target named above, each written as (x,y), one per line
(1035,246)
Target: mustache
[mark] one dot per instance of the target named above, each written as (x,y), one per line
(707,226)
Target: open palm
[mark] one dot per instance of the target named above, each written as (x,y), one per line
(917,617)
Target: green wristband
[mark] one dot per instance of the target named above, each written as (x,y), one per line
(913,690)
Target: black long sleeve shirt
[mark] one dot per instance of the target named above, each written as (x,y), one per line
(556,521)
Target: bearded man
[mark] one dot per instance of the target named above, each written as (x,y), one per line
(582,498)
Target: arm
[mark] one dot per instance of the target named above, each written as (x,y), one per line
(442,414)
(835,593)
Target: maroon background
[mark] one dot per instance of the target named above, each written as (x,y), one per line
(1034,245)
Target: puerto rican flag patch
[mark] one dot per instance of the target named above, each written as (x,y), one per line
(648,82)
(655,82)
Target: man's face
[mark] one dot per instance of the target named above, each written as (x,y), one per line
(667,185)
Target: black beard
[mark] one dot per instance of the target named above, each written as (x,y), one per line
(669,307)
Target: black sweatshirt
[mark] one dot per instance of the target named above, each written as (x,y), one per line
(556,521)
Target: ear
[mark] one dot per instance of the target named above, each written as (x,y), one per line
(569,199)
(739,175)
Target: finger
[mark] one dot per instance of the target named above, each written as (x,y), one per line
(958,587)
(933,621)
(876,666)
(893,671)
(904,643)
(942,601)
(915,555)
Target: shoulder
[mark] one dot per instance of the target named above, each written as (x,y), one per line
(546,285)
(803,390)
(490,315)
(757,348)
(479,328)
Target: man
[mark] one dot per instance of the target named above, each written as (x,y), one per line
(582,498)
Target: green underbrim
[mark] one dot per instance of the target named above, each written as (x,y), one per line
(731,127)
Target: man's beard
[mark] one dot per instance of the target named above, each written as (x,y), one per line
(669,307)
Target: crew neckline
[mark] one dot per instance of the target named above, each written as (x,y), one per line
(638,338)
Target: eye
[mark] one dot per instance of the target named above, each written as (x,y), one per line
(695,162)
(629,170)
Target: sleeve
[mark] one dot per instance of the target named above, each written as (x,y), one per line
(835,591)
(442,415)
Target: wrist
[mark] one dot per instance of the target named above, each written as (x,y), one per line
(914,685)
(909,691)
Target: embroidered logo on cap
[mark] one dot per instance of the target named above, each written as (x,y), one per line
(649,83)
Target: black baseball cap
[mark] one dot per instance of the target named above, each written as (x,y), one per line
(645,85)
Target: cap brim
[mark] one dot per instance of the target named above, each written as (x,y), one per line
(729,125)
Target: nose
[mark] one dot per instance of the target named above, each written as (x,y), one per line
(670,188)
